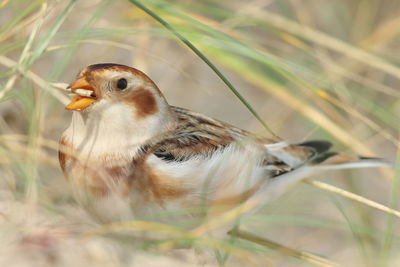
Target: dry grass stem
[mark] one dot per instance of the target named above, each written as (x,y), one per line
(36,79)
(352,196)
(326,41)
(305,256)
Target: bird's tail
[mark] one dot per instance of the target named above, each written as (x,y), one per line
(321,160)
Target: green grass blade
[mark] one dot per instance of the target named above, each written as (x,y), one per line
(20,16)
(44,43)
(205,59)
(69,53)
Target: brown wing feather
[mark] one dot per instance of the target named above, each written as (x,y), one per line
(196,135)
(199,136)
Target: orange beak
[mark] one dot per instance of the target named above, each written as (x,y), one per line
(81,102)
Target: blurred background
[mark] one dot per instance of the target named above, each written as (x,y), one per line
(317,69)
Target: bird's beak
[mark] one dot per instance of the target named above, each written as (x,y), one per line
(85,94)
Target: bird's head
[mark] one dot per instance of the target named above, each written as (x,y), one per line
(115,107)
(110,83)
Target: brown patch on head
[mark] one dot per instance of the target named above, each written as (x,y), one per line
(101,66)
(143,101)
(98,68)
(94,73)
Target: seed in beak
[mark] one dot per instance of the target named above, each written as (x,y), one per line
(83,92)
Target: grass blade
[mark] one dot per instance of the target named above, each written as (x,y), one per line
(206,60)
(390,228)
(44,43)
(305,256)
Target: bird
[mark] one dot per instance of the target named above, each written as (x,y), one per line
(129,154)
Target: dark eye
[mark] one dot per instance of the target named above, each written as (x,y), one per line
(122,84)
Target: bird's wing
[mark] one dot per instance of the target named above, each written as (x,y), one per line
(230,165)
(195,136)
(201,146)
(199,136)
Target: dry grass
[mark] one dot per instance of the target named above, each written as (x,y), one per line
(311,69)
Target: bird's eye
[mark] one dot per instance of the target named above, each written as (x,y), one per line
(122,83)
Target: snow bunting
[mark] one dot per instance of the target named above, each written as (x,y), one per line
(131,154)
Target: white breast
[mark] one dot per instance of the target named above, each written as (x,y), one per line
(104,137)
(95,133)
